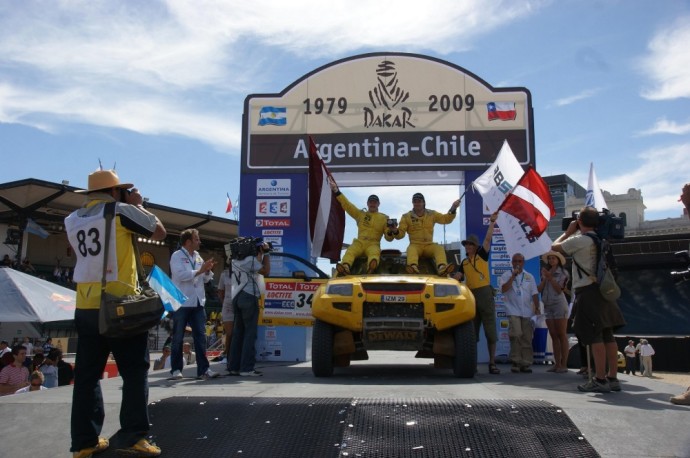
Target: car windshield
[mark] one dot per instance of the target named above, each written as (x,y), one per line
(392,263)
(284,265)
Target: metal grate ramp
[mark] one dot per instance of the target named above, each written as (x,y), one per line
(298,427)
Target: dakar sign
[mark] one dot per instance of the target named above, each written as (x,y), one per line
(387,112)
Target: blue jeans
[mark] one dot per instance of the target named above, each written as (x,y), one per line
(242,348)
(196,317)
(132,358)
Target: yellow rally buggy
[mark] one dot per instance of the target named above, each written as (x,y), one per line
(393,310)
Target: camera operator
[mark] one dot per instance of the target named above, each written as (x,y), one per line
(247,286)
(595,317)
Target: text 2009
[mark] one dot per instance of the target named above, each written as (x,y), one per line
(451,103)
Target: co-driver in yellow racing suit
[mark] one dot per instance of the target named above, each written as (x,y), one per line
(419,224)
(371,225)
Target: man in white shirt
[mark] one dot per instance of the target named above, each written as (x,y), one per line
(630,353)
(521,300)
(29,346)
(189,273)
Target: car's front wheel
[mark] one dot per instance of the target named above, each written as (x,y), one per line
(465,359)
(322,349)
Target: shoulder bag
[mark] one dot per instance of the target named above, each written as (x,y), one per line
(127,316)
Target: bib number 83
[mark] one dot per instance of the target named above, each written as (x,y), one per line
(94,244)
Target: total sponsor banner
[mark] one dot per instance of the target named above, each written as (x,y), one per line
(288,302)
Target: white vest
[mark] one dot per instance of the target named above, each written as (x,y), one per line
(86,234)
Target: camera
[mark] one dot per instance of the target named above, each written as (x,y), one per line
(124,193)
(391,222)
(242,247)
(682,275)
(610,226)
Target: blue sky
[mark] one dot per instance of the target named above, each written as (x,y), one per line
(158,87)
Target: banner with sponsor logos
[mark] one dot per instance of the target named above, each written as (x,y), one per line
(273,206)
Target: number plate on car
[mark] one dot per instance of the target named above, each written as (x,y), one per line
(393,298)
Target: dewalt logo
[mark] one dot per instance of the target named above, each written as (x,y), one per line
(380,336)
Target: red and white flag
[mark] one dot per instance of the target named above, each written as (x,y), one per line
(494,185)
(228,205)
(505,111)
(530,202)
(326,216)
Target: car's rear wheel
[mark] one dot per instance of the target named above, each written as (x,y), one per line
(322,349)
(465,359)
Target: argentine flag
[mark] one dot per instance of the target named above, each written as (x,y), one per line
(171,296)
(273,116)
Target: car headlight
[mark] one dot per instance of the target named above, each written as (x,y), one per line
(340,289)
(446,290)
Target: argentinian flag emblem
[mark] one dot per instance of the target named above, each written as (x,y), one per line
(273,116)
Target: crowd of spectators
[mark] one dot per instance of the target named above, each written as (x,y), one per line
(61,275)
(20,370)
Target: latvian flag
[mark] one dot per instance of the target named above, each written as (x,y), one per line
(326,216)
(505,111)
(530,202)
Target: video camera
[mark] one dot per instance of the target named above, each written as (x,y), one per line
(242,247)
(610,226)
(682,275)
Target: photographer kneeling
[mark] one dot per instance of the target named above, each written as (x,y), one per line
(247,286)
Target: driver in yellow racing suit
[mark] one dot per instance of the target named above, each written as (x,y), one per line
(419,224)
(371,225)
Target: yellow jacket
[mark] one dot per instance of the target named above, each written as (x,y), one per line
(370,226)
(421,228)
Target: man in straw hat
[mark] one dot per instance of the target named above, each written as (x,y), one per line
(371,225)
(85,231)
(419,224)
(474,269)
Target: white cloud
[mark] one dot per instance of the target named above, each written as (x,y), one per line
(668,62)
(587,93)
(146,114)
(664,126)
(167,66)
(661,174)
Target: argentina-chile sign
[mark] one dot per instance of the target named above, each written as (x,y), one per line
(387,112)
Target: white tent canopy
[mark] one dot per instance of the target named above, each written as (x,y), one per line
(24,298)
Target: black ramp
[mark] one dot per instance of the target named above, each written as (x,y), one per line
(320,427)
(452,428)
